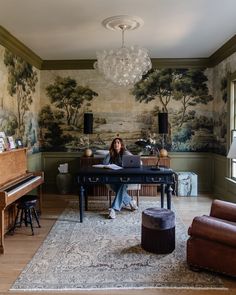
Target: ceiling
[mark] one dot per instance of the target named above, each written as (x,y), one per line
(72,29)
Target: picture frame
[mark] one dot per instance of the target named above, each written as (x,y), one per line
(3,144)
(18,143)
(2,134)
(11,142)
(2,147)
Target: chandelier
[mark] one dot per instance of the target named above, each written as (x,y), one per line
(126,65)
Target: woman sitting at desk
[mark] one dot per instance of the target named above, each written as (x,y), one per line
(116,151)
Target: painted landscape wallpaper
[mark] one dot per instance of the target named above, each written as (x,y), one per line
(45,109)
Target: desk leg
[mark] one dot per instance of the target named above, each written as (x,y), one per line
(169,195)
(86,198)
(81,202)
(162,194)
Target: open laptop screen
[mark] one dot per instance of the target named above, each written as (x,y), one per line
(131,161)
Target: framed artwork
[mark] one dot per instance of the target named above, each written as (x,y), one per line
(2,147)
(11,142)
(2,134)
(3,144)
(19,143)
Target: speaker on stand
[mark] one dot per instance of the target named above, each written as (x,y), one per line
(88,129)
(163,129)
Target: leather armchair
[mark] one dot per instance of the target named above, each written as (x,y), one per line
(212,242)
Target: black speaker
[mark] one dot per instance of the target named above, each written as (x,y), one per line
(163,123)
(88,123)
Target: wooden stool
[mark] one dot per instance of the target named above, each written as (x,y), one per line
(158,230)
(26,210)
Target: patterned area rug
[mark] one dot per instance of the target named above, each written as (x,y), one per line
(102,254)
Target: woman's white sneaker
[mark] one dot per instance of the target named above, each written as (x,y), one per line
(112,214)
(133,205)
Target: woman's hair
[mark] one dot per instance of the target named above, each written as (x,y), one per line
(113,153)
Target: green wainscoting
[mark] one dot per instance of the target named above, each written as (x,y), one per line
(50,163)
(223,187)
(35,162)
(199,163)
(212,170)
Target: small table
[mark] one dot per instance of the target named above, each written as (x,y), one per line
(143,175)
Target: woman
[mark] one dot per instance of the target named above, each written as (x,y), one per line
(116,152)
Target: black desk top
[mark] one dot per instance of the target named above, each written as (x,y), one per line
(147,170)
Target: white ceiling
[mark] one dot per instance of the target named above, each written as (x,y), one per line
(71,29)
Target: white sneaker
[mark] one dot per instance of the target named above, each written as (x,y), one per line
(133,205)
(112,214)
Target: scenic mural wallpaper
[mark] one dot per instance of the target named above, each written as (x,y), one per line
(19,99)
(45,109)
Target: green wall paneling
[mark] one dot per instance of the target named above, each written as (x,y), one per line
(35,162)
(199,163)
(50,163)
(224,188)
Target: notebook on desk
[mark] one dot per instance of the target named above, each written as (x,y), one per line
(131,161)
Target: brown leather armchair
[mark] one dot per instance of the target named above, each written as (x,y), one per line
(212,242)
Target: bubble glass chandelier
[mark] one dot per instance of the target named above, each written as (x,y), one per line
(126,65)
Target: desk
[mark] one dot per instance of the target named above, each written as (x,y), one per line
(91,176)
(146,189)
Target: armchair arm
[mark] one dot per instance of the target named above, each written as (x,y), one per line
(210,228)
(223,210)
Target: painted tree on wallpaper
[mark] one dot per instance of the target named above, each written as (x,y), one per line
(52,136)
(65,94)
(22,80)
(187,87)
(223,88)
(62,123)
(190,89)
(157,84)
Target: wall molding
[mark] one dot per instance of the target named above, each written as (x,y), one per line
(223,52)
(17,47)
(72,64)
(84,64)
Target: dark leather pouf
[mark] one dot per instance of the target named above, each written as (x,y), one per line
(158,230)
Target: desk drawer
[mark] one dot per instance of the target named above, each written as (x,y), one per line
(124,179)
(157,179)
(94,179)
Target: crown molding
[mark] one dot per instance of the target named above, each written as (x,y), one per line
(72,64)
(83,64)
(18,48)
(223,52)
(179,62)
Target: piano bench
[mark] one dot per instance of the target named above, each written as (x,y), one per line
(26,209)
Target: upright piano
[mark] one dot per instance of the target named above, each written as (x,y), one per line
(15,181)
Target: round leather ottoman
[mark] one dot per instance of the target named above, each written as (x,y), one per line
(158,230)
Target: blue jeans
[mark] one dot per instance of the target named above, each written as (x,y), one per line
(121,196)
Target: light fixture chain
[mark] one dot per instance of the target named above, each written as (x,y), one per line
(123,35)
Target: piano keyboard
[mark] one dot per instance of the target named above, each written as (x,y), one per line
(19,186)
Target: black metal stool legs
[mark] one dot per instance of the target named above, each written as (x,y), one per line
(26,210)
(36,217)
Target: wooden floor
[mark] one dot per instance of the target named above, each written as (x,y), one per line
(21,247)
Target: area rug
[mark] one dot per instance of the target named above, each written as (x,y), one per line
(106,254)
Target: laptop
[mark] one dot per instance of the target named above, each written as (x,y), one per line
(131,161)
